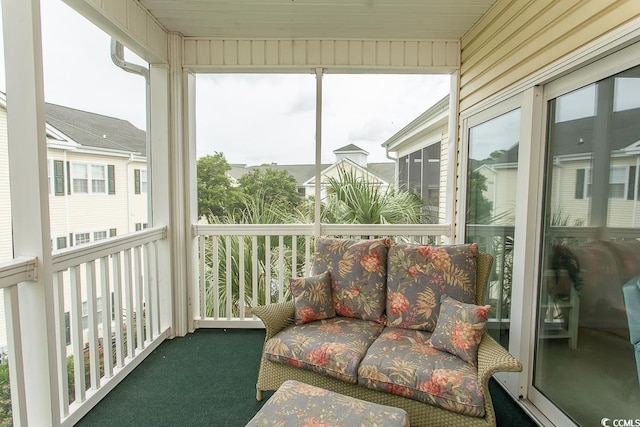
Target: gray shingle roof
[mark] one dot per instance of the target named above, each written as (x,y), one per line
(96,130)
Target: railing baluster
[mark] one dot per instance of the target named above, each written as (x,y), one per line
(216,278)
(267,269)
(294,256)
(146,293)
(307,255)
(201,268)
(229,277)
(156,289)
(138,301)
(254,270)
(61,346)
(280,271)
(94,360)
(128,304)
(76,335)
(106,317)
(16,356)
(117,308)
(241,292)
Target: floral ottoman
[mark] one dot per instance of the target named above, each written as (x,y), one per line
(299,404)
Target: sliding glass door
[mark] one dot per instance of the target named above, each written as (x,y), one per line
(588,301)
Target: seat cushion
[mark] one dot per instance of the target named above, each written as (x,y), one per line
(297,404)
(358,270)
(419,275)
(333,347)
(403,362)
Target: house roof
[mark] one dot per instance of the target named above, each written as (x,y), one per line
(350,149)
(96,130)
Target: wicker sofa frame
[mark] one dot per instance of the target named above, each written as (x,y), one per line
(492,358)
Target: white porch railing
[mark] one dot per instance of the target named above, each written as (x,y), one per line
(245,265)
(107,319)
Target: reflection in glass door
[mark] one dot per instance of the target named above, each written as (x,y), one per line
(589,296)
(490,215)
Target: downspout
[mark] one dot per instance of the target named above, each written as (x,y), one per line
(117,56)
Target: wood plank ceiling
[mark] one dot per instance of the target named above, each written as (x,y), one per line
(336,19)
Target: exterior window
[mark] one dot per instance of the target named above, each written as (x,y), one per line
(81,238)
(98,179)
(419,173)
(139,181)
(112,232)
(617,182)
(138,226)
(61,242)
(80,178)
(99,235)
(91,179)
(143,181)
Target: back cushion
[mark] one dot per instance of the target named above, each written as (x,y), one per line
(419,275)
(358,275)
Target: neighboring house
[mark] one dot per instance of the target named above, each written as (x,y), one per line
(421,150)
(574,168)
(350,158)
(97,175)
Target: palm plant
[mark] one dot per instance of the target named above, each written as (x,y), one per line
(256,211)
(352,199)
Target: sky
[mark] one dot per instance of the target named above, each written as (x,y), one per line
(252,119)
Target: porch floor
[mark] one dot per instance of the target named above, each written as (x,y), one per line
(208,379)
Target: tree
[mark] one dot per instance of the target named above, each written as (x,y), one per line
(478,206)
(271,185)
(216,195)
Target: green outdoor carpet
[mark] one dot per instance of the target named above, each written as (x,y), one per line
(208,379)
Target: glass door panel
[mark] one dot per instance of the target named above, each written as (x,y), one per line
(590,265)
(490,215)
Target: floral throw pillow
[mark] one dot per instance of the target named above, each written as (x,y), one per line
(418,275)
(358,275)
(460,328)
(312,298)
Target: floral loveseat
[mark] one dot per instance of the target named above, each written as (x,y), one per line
(394,324)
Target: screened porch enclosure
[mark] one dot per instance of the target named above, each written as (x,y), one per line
(130,293)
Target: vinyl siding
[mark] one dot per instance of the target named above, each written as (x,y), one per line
(438,55)
(444,178)
(518,38)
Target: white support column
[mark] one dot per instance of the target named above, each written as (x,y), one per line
(177,157)
(161,187)
(318,168)
(190,194)
(452,155)
(30,206)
